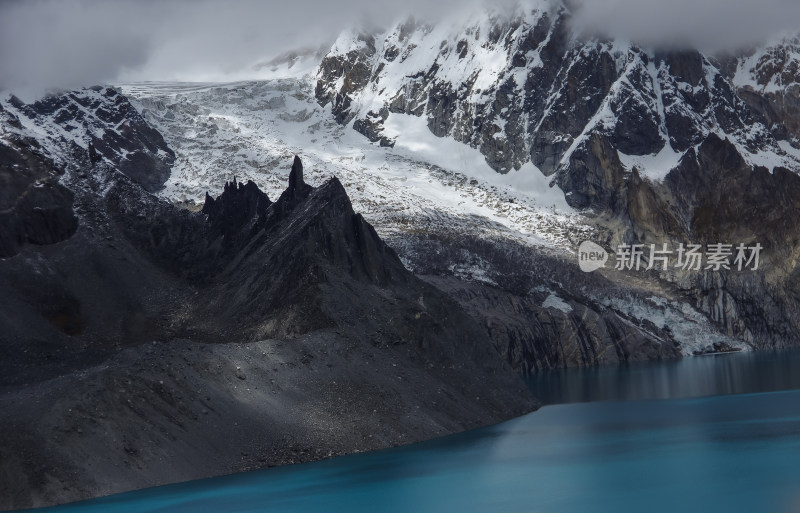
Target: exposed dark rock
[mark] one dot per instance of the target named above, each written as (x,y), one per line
(290,326)
(355,69)
(298,188)
(108,126)
(237,206)
(725,199)
(686,66)
(712,196)
(508,296)
(716,348)
(372,127)
(595,177)
(94,158)
(533,337)
(34,207)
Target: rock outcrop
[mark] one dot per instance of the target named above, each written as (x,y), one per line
(34,207)
(99,121)
(289,326)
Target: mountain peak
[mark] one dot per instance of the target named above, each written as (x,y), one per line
(296,174)
(238,205)
(298,188)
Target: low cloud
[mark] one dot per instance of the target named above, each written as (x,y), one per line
(71,43)
(709,25)
(45,44)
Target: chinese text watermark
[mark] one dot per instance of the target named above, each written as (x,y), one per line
(688,257)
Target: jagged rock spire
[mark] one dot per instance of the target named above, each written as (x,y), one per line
(296,174)
(298,188)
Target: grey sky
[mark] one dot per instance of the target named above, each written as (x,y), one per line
(711,25)
(69,43)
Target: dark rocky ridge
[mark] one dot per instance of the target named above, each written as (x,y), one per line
(34,207)
(289,326)
(535,338)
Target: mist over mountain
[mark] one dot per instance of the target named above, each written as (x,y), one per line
(708,25)
(328,233)
(52,44)
(48,44)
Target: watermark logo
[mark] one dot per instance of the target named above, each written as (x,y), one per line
(689,257)
(591,256)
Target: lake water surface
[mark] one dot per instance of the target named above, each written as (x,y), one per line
(710,433)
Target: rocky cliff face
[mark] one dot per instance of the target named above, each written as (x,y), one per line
(43,140)
(768,80)
(34,207)
(525,88)
(99,121)
(653,146)
(144,330)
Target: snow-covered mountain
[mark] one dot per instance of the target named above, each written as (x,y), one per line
(247,129)
(449,215)
(525,87)
(99,122)
(771,73)
(653,146)
(486,147)
(451,170)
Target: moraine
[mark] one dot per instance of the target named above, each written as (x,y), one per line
(669,448)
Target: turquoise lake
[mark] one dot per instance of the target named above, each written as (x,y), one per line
(710,433)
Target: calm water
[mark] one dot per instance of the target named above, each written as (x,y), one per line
(706,434)
(701,376)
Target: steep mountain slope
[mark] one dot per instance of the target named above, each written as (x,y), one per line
(483,150)
(654,147)
(34,207)
(40,140)
(131,341)
(768,80)
(437,202)
(526,88)
(98,120)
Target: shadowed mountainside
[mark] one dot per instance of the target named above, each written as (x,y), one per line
(289,326)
